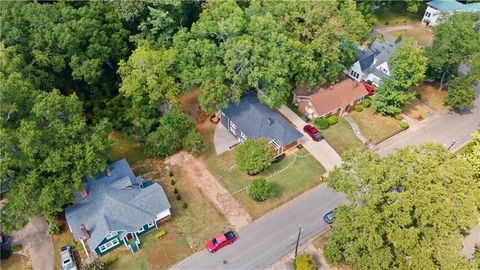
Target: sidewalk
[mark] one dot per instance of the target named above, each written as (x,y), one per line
(321,150)
(355,128)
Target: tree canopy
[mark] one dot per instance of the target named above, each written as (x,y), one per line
(407,210)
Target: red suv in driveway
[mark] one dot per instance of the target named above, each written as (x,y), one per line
(313,132)
(220,241)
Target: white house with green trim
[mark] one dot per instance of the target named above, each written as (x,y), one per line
(436,9)
(115,208)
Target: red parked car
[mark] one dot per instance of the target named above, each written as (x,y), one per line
(220,241)
(313,132)
(370,89)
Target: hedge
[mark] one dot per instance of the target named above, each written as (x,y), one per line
(367,102)
(321,123)
(160,234)
(332,120)
(358,108)
(404,125)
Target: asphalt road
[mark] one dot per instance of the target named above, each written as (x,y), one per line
(272,236)
(452,130)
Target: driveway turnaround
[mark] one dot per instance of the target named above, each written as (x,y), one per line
(273,236)
(321,150)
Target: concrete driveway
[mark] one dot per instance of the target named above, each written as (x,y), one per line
(35,238)
(223,139)
(321,150)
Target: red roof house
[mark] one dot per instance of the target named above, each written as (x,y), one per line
(329,99)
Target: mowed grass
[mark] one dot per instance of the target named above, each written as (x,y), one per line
(375,126)
(341,137)
(431,96)
(422,35)
(154,253)
(125,146)
(304,174)
(387,16)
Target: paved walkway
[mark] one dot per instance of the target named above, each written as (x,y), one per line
(197,173)
(355,128)
(321,150)
(223,139)
(35,238)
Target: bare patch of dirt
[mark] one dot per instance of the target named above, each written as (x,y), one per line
(190,105)
(415,109)
(431,96)
(196,172)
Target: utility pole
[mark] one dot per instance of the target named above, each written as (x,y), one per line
(298,239)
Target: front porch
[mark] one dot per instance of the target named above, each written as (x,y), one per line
(132,242)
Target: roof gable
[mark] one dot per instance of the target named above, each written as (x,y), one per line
(446,5)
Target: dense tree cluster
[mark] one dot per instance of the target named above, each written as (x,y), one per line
(407,210)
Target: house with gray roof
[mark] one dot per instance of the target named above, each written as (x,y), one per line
(372,63)
(251,119)
(437,9)
(115,208)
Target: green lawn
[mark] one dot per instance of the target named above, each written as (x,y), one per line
(387,16)
(341,137)
(375,126)
(125,146)
(303,175)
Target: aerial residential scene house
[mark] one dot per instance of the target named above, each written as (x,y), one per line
(251,119)
(115,208)
(438,8)
(225,134)
(330,99)
(371,63)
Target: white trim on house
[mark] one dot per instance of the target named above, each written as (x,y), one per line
(151,224)
(165,213)
(108,245)
(141,229)
(111,234)
(84,247)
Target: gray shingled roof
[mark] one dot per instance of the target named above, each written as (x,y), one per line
(115,203)
(364,58)
(380,51)
(256,121)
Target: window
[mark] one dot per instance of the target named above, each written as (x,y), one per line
(111,235)
(354,74)
(140,230)
(243,136)
(232,125)
(108,245)
(152,224)
(427,14)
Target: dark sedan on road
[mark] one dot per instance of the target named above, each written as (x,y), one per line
(328,217)
(220,241)
(313,132)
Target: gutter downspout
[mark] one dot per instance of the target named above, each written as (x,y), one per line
(84,247)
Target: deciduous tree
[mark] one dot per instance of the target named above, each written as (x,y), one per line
(253,156)
(407,210)
(461,93)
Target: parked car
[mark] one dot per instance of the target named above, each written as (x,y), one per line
(67,258)
(313,132)
(370,89)
(220,241)
(328,217)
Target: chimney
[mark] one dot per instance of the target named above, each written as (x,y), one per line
(83,192)
(109,173)
(85,233)
(270,121)
(365,46)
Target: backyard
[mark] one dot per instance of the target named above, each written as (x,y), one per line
(388,16)
(375,126)
(305,173)
(341,137)
(421,34)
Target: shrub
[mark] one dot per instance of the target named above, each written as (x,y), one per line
(305,262)
(418,96)
(193,143)
(160,234)
(172,182)
(96,265)
(358,108)
(332,120)
(17,248)
(254,156)
(184,205)
(367,102)
(28,267)
(170,173)
(399,38)
(387,23)
(260,190)
(321,123)
(179,197)
(53,229)
(404,125)
(175,190)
